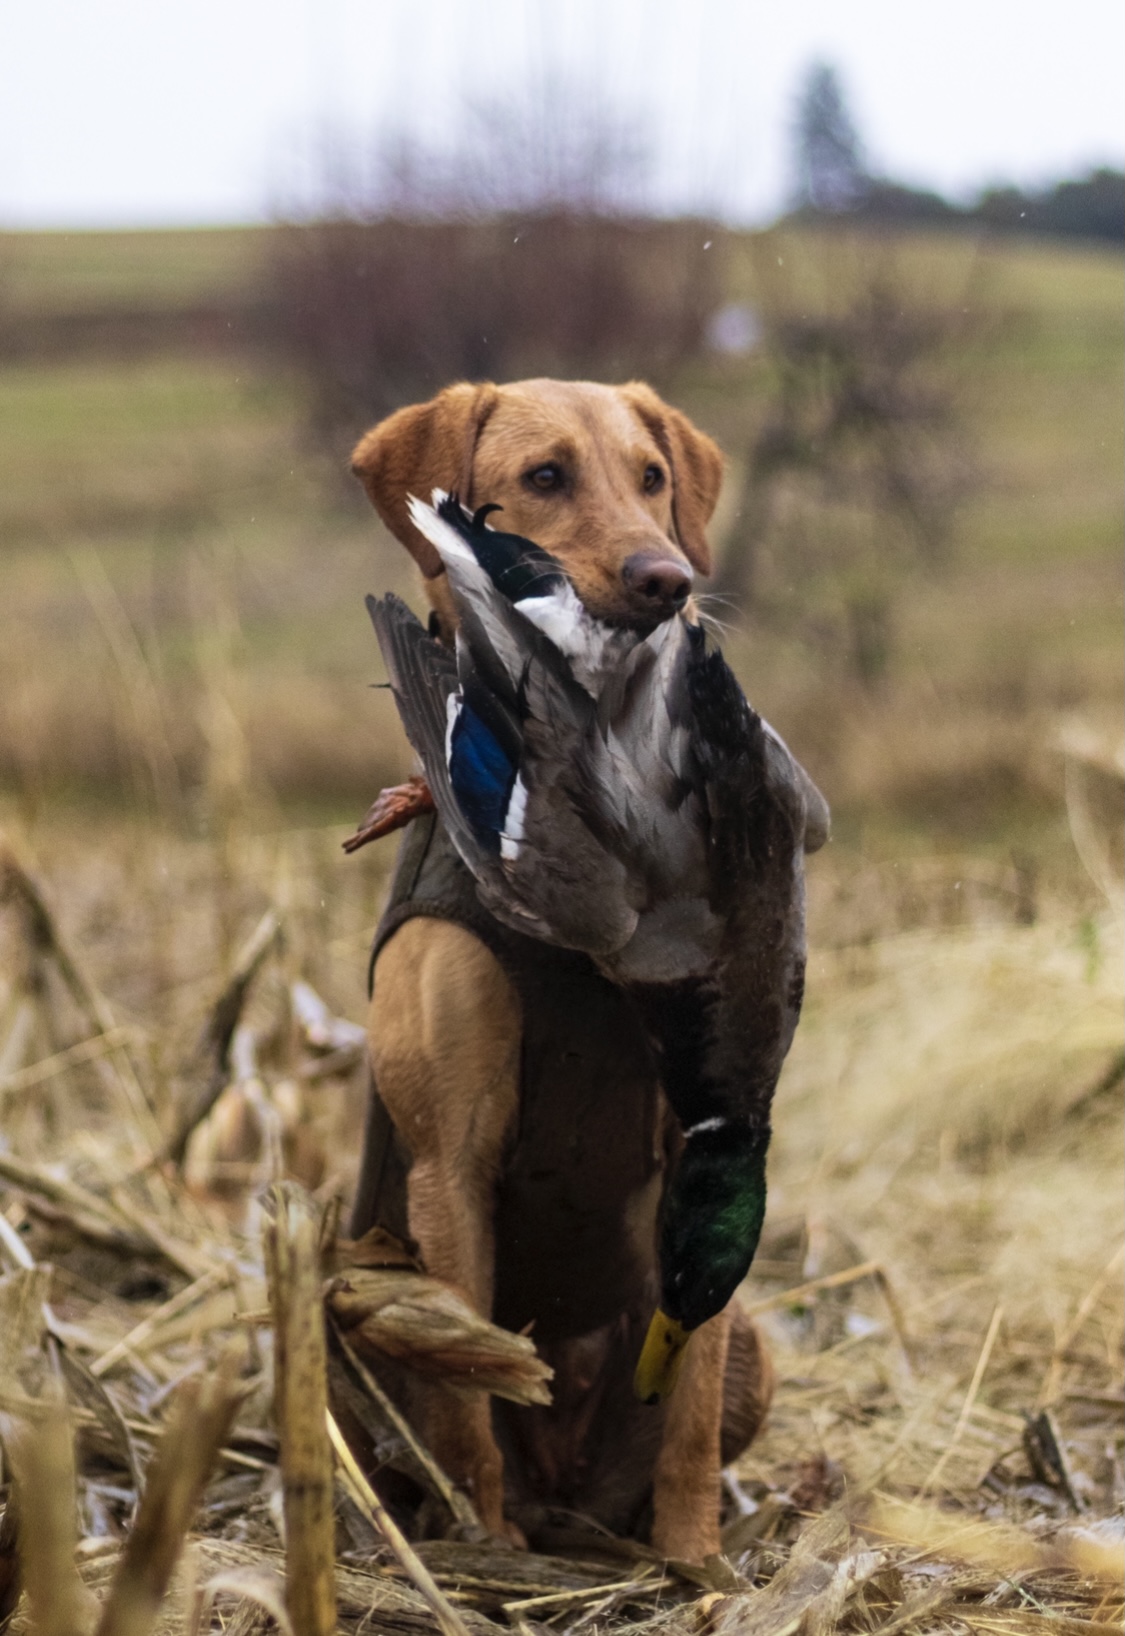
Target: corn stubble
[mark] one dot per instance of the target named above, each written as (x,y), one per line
(186,1349)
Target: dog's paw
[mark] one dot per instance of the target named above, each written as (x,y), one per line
(504,1534)
(511,1534)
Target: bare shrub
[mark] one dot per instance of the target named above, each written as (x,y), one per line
(527,249)
(860,458)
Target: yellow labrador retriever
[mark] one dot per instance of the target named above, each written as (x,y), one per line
(518,1132)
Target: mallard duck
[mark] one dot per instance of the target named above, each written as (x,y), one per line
(613,792)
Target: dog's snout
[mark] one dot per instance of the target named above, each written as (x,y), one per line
(661,583)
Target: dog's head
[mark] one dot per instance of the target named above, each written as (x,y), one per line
(611,480)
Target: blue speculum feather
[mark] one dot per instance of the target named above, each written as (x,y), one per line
(482,773)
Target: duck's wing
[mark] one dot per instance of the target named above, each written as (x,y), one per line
(468,747)
(555,855)
(750,778)
(426,686)
(756,799)
(422,673)
(784,767)
(645,768)
(675,727)
(522,637)
(499,755)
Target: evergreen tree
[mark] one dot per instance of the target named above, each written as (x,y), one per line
(831,174)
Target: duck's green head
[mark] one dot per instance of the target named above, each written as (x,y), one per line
(712,1222)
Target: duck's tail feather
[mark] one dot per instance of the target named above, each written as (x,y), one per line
(517,567)
(435,524)
(513,587)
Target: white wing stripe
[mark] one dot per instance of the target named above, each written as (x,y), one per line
(445,540)
(716,1123)
(511,840)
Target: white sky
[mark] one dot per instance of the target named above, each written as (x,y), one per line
(149,112)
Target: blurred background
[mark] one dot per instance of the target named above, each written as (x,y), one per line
(876,252)
(881,263)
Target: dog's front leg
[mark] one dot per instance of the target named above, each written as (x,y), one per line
(686,1483)
(445,1033)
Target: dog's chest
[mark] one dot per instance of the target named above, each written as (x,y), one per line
(579,1193)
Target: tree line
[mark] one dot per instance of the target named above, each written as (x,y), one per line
(834,180)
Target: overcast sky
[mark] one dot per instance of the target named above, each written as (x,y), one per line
(144,112)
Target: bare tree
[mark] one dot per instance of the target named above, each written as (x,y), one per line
(860,459)
(525,247)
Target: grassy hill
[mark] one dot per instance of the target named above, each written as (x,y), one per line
(53,272)
(171,539)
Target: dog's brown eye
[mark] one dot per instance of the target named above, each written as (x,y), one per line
(546,478)
(653,479)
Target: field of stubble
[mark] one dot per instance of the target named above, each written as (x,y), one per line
(186,735)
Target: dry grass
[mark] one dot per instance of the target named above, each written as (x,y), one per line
(947,1126)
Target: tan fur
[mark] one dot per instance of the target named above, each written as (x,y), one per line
(748,1384)
(445,1020)
(484,441)
(445,1047)
(686,1482)
(438,437)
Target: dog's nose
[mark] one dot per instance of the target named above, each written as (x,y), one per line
(662,583)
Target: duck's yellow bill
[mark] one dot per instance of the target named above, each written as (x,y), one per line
(661,1358)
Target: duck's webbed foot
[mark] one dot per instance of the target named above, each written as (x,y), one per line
(392,809)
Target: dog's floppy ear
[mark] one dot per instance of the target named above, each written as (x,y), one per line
(428,446)
(697,469)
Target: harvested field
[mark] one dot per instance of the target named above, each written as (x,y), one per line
(940,1276)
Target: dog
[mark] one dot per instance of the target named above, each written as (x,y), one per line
(517,1132)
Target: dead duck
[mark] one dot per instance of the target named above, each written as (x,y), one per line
(506,725)
(614,792)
